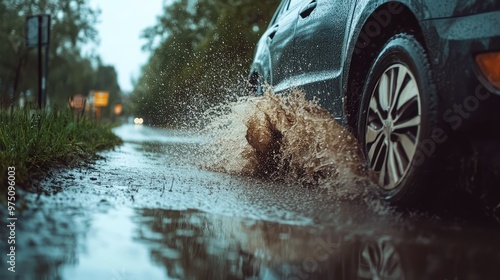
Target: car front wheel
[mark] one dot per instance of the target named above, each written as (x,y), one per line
(398,112)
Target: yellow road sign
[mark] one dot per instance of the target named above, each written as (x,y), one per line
(101,98)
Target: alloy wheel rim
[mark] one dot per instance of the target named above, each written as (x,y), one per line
(393,125)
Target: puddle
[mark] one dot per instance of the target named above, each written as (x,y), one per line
(109,251)
(169,244)
(140,215)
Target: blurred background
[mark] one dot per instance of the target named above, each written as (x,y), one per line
(163,61)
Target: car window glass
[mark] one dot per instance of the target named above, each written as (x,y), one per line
(281,9)
(294,3)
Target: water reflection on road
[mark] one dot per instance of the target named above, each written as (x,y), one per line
(198,245)
(148,212)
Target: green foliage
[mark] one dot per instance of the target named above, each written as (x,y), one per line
(201,51)
(70,71)
(33,141)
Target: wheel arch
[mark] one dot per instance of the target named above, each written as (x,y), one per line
(363,52)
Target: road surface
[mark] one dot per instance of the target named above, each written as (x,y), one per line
(147,210)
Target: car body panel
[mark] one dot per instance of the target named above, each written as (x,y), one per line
(279,41)
(330,51)
(319,40)
(325,42)
(453,44)
(459,8)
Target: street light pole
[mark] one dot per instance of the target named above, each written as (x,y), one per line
(38,35)
(40,86)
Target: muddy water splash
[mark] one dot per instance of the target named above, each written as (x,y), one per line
(285,137)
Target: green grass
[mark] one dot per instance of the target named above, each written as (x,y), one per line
(35,141)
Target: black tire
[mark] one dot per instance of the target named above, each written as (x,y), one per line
(395,120)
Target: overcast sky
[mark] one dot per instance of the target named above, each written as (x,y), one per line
(120,27)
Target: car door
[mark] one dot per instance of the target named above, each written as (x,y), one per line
(319,39)
(279,38)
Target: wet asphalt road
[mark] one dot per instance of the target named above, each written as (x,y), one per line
(147,211)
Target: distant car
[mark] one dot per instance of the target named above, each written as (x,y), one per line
(138,120)
(404,76)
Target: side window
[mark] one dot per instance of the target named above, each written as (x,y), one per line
(294,3)
(281,10)
(284,7)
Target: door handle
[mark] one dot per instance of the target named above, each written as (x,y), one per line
(307,10)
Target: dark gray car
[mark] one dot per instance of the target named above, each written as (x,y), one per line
(405,76)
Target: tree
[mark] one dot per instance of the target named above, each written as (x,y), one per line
(203,49)
(13,58)
(70,72)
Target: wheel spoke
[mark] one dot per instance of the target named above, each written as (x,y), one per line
(408,145)
(408,94)
(399,158)
(376,148)
(383,92)
(374,106)
(392,168)
(383,170)
(400,81)
(378,156)
(395,72)
(372,134)
(370,256)
(415,121)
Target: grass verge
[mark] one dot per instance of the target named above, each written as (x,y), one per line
(34,141)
